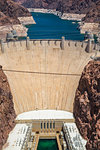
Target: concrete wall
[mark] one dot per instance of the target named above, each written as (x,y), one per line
(39,90)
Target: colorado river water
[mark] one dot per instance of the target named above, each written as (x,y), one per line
(47,144)
(49,26)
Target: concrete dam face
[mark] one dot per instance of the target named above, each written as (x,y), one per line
(41,74)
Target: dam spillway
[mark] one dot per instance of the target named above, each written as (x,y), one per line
(41,74)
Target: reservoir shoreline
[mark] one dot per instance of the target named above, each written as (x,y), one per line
(83,26)
(65,16)
(23,31)
(20,28)
(51,26)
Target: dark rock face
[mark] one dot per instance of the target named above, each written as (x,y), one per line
(73,6)
(5,20)
(87,105)
(89,7)
(94,14)
(7,113)
(10,11)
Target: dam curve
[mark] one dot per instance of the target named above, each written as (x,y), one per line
(41,74)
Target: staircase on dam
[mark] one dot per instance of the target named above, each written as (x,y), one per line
(44,74)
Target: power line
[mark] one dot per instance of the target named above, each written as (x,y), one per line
(46,73)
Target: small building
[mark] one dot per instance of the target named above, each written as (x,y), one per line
(73,137)
(12,36)
(88,36)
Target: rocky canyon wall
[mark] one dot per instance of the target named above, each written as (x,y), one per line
(13,17)
(87,105)
(7,113)
(89,7)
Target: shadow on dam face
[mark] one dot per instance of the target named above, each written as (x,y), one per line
(43,76)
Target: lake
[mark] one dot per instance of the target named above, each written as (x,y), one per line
(49,26)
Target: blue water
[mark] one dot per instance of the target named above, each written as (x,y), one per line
(49,26)
(47,144)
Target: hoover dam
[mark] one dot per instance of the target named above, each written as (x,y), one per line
(49,75)
(44,74)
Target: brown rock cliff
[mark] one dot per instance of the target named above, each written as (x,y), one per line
(10,11)
(89,7)
(73,6)
(94,14)
(87,105)
(7,113)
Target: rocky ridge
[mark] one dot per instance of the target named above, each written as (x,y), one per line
(12,17)
(10,11)
(87,105)
(94,14)
(89,7)
(7,20)
(7,113)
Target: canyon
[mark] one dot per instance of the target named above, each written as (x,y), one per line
(7,112)
(87,105)
(87,11)
(54,68)
(89,7)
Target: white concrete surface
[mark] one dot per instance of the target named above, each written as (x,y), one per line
(73,137)
(56,87)
(17,137)
(45,114)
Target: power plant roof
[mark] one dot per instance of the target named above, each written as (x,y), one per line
(45,114)
(17,137)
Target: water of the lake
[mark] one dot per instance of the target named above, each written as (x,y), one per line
(49,26)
